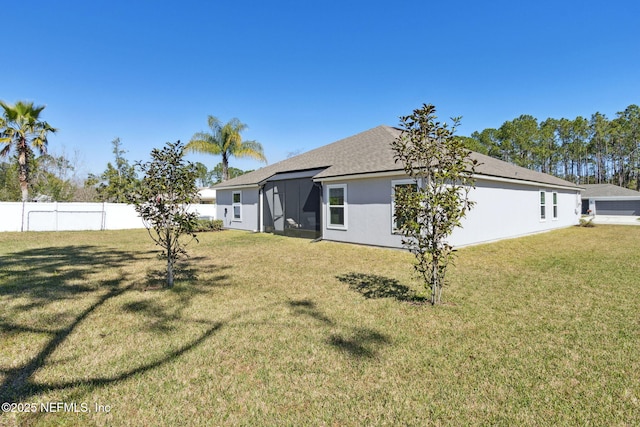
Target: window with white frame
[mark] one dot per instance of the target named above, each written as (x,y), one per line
(543,205)
(402,183)
(555,204)
(337,206)
(237,205)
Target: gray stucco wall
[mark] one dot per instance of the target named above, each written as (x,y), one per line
(502,210)
(368,213)
(249,213)
(507,210)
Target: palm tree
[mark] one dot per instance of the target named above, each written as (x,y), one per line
(21,127)
(225,140)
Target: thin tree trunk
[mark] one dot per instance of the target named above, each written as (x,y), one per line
(435,288)
(169,273)
(169,261)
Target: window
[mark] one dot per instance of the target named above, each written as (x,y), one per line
(337,206)
(543,207)
(555,205)
(237,206)
(404,183)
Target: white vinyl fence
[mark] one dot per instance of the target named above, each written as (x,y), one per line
(32,216)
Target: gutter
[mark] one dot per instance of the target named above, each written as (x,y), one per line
(235,187)
(526,182)
(386,174)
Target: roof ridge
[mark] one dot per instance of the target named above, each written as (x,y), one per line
(370,151)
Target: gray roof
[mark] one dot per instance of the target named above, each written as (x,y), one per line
(370,152)
(607,190)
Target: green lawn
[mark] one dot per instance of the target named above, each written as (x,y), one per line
(267,330)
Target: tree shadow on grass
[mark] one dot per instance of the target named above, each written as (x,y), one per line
(374,286)
(160,317)
(186,271)
(45,277)
(356,342)
(360,343)
(308,308)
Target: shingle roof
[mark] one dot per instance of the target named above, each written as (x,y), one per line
(370,152)
(607,190)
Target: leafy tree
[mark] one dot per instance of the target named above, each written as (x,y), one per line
(22,129)
(578,148)
(628,144)
(204,177)
(599,145)
(489,139)
(519,135)
(474,145)
(168,188)
(427,213)
(225,140)
(85,192)
(218,173)
(115,183)
(597,150)
(207,178)
(545,153)
(9,184)
(50,178)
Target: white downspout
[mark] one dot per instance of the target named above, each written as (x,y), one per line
(261,209)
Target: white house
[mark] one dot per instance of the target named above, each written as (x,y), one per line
(344,192)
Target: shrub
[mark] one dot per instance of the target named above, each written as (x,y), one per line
(586,222)
(209,225)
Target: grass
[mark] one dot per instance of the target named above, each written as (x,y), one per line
(267,330)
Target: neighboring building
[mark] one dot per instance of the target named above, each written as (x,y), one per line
(207,195)
(609,199)
(344,192)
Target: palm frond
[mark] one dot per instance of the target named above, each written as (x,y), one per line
(225,140)
(203,143)
(236,125)
(214,123)
(48,128)
(251,149)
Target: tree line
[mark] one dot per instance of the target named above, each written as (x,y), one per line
(582,150)
(53,177)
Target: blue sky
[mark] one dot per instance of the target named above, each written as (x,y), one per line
(302,74)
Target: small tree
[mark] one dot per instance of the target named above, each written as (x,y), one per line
(167,190)
(427,213)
